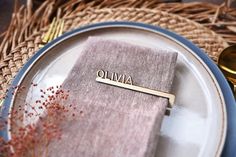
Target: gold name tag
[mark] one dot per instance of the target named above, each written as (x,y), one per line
(126,82)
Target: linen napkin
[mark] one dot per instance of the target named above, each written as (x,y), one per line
(117,122)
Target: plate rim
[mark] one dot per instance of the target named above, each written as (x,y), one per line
(230,141)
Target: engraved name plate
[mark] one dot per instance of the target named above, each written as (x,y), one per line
(126,82)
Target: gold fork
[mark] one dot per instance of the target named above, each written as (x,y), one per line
(54,31)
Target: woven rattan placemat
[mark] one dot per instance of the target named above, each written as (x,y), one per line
(206,39)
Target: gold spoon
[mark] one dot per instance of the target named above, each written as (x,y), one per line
(227,64)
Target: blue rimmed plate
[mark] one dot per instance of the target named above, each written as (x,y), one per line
(203,121)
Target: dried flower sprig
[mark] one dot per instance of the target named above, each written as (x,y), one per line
(33,139)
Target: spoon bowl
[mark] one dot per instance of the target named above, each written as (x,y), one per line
(227,64)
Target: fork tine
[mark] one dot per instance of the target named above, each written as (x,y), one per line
(54,36)
(47,35)
(54,30)
(62,27)
(59,29)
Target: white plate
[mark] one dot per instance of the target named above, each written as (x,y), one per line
(197,125)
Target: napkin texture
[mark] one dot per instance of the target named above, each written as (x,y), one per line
(117,122)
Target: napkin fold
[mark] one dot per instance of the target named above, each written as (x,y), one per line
(117,122)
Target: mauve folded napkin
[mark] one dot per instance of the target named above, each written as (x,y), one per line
(117,122)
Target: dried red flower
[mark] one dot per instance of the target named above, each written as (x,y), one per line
(33,139)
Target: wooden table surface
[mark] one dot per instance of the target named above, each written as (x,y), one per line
(6,8)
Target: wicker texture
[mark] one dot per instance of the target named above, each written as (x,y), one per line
(19,45)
